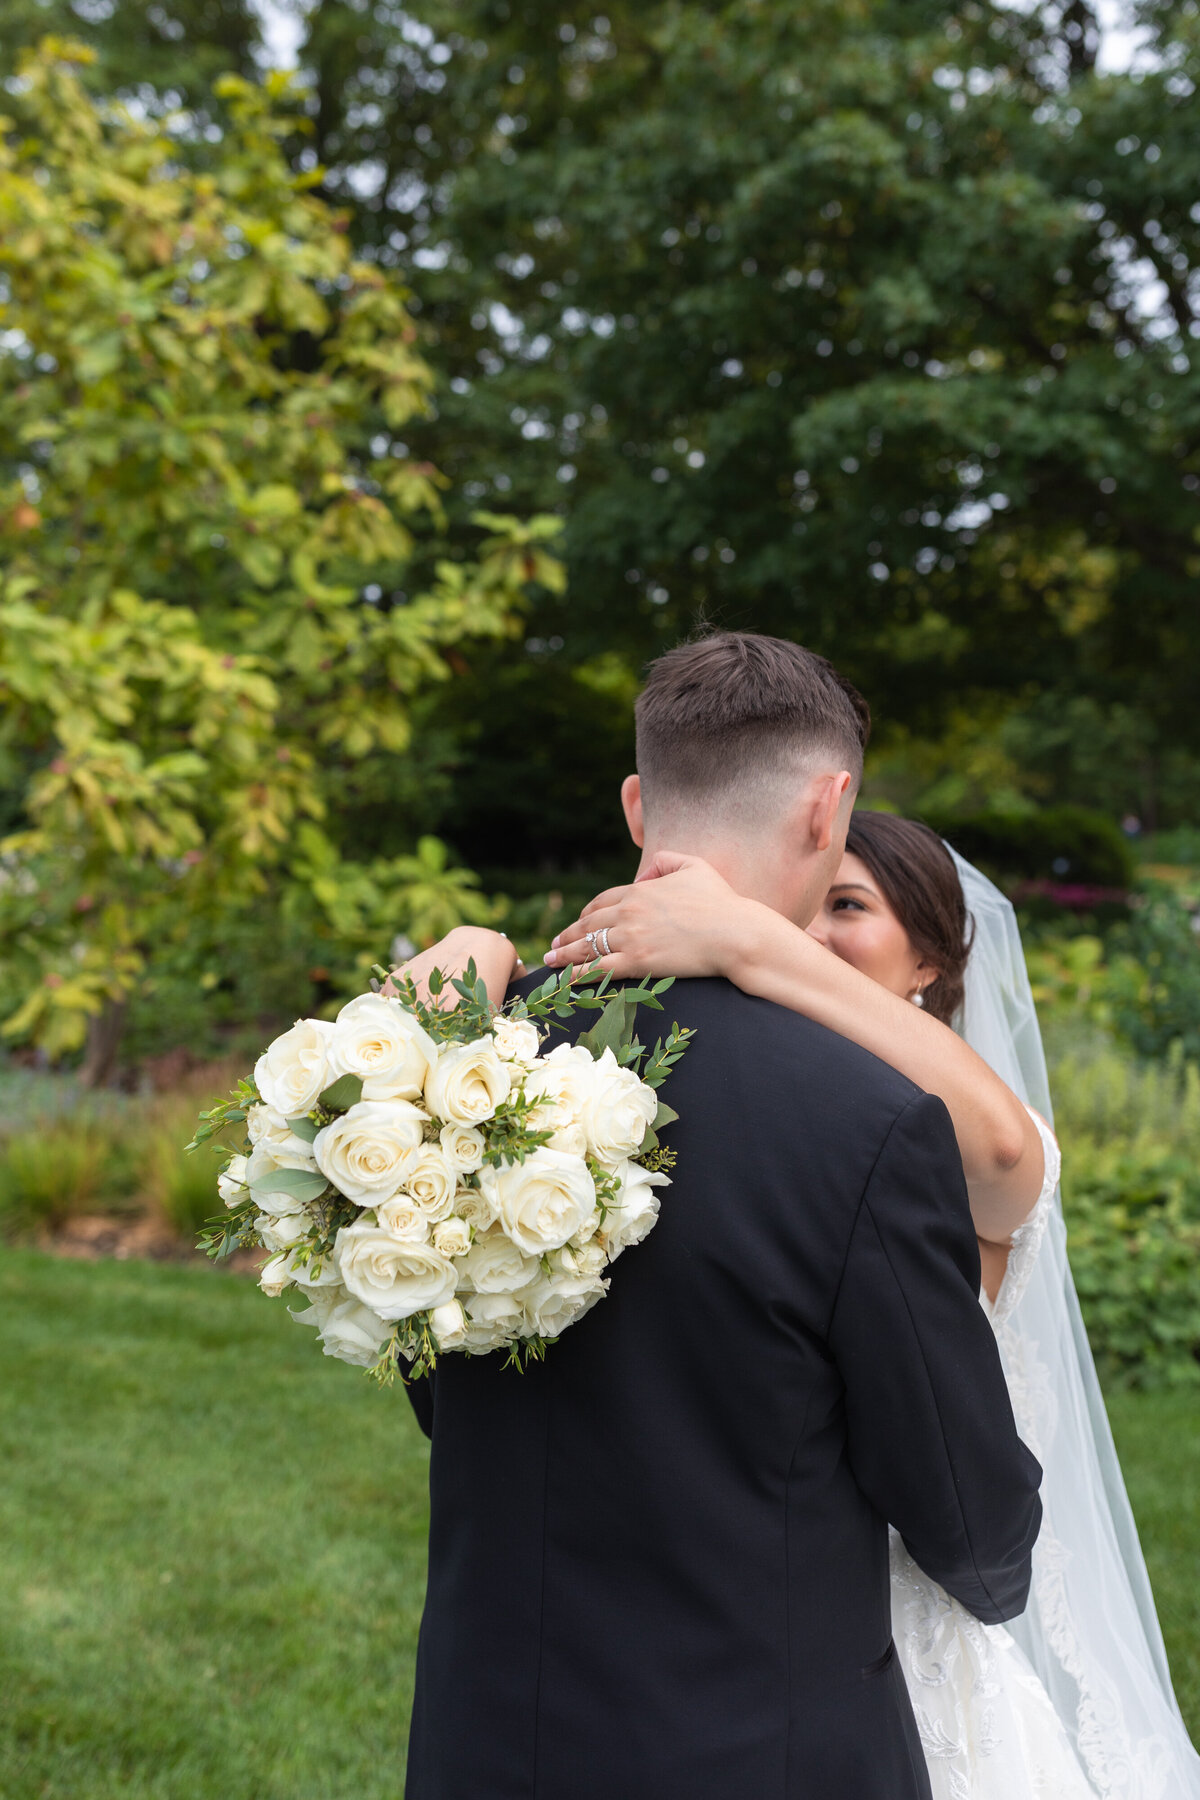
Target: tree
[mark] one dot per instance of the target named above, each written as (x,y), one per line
(870,324)
(216,597)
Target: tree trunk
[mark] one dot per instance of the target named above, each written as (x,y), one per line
(103,1042)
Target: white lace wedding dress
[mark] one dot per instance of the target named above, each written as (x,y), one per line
(987,1725)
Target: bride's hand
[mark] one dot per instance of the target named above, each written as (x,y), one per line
(495,960)
(678,918)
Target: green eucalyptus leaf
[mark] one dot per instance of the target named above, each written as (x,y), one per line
(299,1184)
(304,1128)
(345,1092)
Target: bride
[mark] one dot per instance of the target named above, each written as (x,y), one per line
(1073,1701)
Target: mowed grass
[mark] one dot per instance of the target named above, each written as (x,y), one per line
(212,1544)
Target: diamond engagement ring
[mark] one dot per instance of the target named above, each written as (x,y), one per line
(591,938)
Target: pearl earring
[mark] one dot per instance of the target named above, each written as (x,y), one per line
(918,999)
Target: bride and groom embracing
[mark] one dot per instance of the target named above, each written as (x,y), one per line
(767,1523)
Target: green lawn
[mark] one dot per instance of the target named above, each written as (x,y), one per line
(213,1544)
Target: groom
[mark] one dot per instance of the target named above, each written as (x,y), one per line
(658,1562)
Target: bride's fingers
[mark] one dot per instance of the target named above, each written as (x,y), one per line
(605,902)
(586,943)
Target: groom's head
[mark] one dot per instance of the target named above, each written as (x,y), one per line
(749,753)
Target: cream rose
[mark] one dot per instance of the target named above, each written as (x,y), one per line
(516,1040)
(618,1110)
(494,1265)
(492,1320)
(403,1219)
(543,1201)
(363,1153)
(268,1128)
(281,1233)
(558,1093)
(293,1072)
(274,1276)
(463,1147)
(588,1259)
(467,1083)
(376,1039)
(345,1327)
(474,1207)
(430,1182)
(395,1279)
(231,1182)
(452,1237)
(636,1211)
(555,1301)
(448,1324)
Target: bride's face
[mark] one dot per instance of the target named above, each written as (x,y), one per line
(857,924)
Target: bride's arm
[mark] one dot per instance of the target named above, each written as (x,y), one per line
(495,958)
(693,923)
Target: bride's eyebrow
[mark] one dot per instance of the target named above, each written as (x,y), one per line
(839,887)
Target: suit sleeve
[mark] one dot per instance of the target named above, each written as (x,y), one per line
(420,1398)
(931,1433)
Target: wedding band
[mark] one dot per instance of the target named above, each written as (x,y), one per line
(603,935)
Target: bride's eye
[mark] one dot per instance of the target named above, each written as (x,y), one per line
(843,903)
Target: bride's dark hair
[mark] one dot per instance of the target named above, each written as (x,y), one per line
(916,873)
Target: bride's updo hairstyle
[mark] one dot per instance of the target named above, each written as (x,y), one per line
(728,723)
(917,877)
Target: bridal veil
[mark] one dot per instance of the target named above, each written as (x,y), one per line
(1090,1631)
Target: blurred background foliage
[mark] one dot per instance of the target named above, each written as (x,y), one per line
(363,434)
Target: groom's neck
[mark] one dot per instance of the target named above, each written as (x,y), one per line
(757,871)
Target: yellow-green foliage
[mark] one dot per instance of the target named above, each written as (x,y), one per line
(218,563)
(1130,1133)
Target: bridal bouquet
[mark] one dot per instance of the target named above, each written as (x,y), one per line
(427,1179)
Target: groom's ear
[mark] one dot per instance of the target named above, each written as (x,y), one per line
(631,801)
(831,809)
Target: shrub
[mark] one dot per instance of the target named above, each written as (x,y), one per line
(1060,843)
(1154,981)
(1131,1183)
(51,1169)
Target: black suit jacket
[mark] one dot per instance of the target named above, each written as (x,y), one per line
(658,1562)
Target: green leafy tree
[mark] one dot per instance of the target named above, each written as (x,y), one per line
(215,597)
(871,324)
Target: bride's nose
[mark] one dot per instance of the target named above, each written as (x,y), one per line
(817,930)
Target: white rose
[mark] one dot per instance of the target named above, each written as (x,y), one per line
(467,1083)
(559,1092)
(474,1208)
(555,1301)
(463,1147)
(231,1182)
(293,1072)
(363,1153)
(494,1265)
(448,1323)
(377,1039)
(395,1279)
(345,1327)
(588,1259)
(281,1233)
(452,1237)
(516,1040)
(543,1201)
(403,1219)
(636,1210)
(492,1320)
(268,1128)
(618,1111)
(274,1276)
(429,1182)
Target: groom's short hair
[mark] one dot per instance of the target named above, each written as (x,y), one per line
(723,713)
